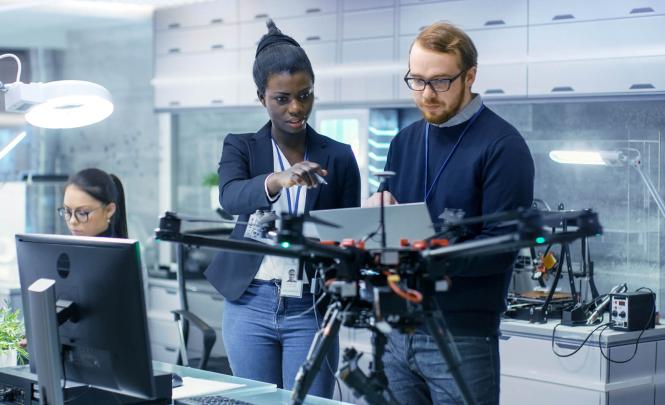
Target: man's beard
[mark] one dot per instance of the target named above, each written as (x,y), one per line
(440,117)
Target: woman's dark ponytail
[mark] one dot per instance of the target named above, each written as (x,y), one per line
(120,217)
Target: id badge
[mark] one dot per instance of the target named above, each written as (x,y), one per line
(291,286)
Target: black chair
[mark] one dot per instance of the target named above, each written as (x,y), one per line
(185,317)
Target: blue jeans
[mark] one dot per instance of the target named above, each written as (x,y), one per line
(417,373)
(263,343)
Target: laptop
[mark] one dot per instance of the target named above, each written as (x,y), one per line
(403,221)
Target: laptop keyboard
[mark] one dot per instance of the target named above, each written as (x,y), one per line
(211,400)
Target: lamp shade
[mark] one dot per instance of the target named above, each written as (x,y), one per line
(70,104)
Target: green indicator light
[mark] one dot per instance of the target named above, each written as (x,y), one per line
(540,239)
(285,245)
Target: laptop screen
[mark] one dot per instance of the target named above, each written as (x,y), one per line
(403,221)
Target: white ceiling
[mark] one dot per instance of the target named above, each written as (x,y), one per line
(45,23)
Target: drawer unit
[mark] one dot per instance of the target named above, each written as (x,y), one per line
(195,65)
(165,353)
(207,306)
(367,84)
(602,76)
(497,81)
(562,11)
(197,15)
(507,45)
(532,373)
(486,14)
(262,9)
(163,329)
(247,92)
(196,93)
(163,298)
(309,29)
(368,24)
(206,39)
(599,39)
(354,5)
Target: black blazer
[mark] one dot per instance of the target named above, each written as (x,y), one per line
(247,159)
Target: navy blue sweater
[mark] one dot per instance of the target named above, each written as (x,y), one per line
(491,171)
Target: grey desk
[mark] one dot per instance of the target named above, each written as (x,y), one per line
(532,373)
(254,392)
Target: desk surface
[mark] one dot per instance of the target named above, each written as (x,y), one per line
(254,392)
(610,337)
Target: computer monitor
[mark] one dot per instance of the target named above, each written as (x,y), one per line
(108,346)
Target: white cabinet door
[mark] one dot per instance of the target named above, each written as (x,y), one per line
(367,51)
(523,391)
(195,65)
(561,11)
(309,29)
(378,87)
(251,33)
(581,370)
(369,24)
(472,14)
(352,5)
(163,299)
(499,81)
(507,45)
(196,15)
(163,329)
(164,353)
(189,93)
(324,90)
(320,54)
(262,9)
(601,76)
(205,39)
(361,82)
(247,91)
(627,37)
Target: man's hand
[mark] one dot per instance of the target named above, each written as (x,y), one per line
(375,200)
(301,174)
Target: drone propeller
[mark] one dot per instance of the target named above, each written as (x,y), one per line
(190,218)
(267,218)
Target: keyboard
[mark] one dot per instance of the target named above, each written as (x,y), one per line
(210,400)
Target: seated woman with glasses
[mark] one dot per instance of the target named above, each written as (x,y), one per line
(94,205)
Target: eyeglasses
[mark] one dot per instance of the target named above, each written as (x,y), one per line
(438,85)
(81,215)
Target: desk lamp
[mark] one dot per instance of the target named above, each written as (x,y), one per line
(620,157)
(57,104)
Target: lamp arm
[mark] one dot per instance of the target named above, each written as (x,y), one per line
(650,186)
(18,62)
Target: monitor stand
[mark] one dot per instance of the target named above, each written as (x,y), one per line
(18,385)
(48,381)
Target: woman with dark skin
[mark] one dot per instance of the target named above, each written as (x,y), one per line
(268,325)
(94,205)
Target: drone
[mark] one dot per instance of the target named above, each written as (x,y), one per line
(381,289)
